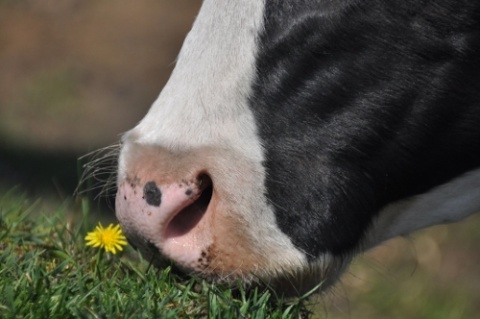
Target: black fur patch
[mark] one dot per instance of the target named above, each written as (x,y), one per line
(360,104)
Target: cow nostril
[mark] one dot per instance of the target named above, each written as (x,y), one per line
(206,187)
(203,180)
(188,218)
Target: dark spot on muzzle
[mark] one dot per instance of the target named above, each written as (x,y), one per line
(152,194)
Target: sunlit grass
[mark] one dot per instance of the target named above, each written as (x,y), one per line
(48,272)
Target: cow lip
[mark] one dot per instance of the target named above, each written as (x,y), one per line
(189,216)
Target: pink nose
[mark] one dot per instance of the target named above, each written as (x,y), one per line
(190,207)
(169,216)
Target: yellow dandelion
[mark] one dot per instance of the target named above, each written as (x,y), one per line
(111,238)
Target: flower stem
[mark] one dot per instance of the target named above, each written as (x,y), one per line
(97,273)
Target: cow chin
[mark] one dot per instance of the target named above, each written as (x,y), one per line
(211,219)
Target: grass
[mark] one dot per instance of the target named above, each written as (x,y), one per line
(47,272)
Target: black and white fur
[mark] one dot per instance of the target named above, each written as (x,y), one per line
(322,128)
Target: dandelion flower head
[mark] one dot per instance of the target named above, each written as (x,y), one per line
(111,238)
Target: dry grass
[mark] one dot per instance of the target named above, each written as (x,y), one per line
(431,274)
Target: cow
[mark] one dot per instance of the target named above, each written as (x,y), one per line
(293,135)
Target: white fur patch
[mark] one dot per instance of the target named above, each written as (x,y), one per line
(205,99)
(205,105)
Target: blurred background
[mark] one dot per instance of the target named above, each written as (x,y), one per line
(76,74)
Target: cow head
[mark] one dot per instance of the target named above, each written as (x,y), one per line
(284,143)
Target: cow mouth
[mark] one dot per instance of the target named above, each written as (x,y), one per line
(188,218)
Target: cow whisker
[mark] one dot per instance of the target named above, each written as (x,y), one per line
(99,171)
